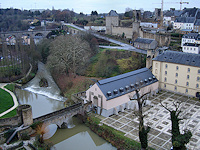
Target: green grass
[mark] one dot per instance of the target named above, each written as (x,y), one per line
(6,102)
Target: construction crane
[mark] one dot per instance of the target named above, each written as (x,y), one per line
(181,2)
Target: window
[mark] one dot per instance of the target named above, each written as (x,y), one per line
(176,67)
(188,69)
(198,78)
(199,71)
(165,72)
(166,66)
(187,83)
(176,81)
(156,64)
(176,74)
(197,85)
(186,90)
(165,79)
(164,85)
(175,88)
(188,77)
(156,71)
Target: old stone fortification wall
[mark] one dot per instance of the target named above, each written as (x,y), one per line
(24,115)
(120,30)
(162,39)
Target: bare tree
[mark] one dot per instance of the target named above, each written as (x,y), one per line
(68,53)
(178,140)
(143,131)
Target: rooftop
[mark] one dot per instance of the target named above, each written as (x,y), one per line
(125,83)
(179,58)
(191,44)
(191,35)
(144,40)
(112,13)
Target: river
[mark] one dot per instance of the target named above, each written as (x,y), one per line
(43,101)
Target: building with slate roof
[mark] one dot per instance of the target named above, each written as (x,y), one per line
(111,95)
(178,71)
(187,19)
(112,19)
(146,44)
(189,38)
(191,48)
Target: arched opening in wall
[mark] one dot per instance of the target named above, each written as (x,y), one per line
(11,40)
(38,37)
(198,95)
(25,39)
(153,57)
(95,101)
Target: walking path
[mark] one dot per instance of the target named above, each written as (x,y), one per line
(124,46)
(158,118)
(14,99)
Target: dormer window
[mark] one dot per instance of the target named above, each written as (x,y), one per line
(115,91)
(127,88)
(145,80)
(109,93)
(132,86)
(154,78)
(150,79)
(136,84)
(121,89)
(141,82)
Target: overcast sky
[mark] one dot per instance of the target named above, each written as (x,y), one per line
(101,6)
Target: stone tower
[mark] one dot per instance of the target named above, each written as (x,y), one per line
(136,24)
(25,111)
(112,19)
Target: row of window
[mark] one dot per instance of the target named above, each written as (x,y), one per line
(190,48)
(176,81)
(175,88)
(177,68)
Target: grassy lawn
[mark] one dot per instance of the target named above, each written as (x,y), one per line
(6,102)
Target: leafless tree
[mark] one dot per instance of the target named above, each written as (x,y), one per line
(178,140)
(140,97)
(68,53)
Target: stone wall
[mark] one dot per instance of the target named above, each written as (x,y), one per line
(162,39)
(24,116)
(128,32)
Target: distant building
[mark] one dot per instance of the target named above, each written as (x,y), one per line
(189,38)
(191,48)
(187,19)
(112,19)
(178,71)
(112,95)
(146,44)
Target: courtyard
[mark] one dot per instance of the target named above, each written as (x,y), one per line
(158,118)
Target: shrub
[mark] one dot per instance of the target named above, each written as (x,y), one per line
(116,138)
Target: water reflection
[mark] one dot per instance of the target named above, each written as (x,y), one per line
(79,138)
(41,104)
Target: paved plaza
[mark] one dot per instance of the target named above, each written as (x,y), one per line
(158,118)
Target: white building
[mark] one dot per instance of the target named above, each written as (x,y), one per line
(189,38)
(191,48)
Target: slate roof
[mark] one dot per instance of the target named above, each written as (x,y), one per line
(197,22)
(191,44)
(179,58)
(125,83)
(112,13)
(190,35)
(144,40)
(189,12)
(185,19)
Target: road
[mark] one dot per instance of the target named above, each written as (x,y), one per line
(123,46)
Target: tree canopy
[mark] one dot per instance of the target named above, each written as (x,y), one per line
(68,54)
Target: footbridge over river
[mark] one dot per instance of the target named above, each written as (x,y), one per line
(61,116)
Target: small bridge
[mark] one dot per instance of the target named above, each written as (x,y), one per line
(61,116)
